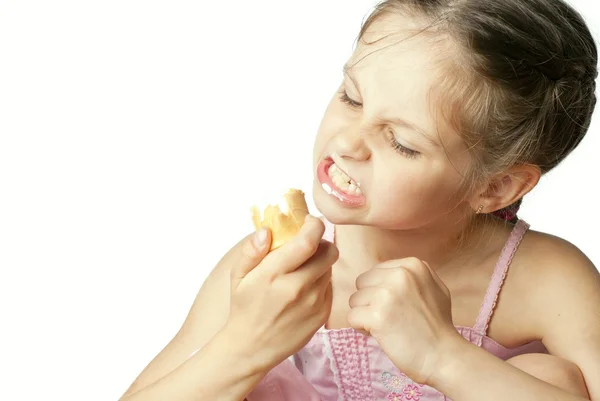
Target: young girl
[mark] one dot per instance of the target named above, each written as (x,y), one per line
(426,285)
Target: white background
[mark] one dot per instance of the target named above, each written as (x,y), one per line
(134,137)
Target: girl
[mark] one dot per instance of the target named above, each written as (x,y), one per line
(427,286)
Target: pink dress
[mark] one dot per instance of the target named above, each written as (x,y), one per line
(344,365)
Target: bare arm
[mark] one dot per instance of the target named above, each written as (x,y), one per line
(567,296)
(222,370)
(478,373)
(249,302)
(206,317)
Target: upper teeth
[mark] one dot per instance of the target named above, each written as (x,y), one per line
(343,181)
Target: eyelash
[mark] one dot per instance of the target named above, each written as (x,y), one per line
(398,147)
(346,99)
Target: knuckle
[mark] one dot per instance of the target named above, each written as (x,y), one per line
(312,299)
(413,262)
(366,278)
(307,246)
(293,297)
(326,278)
(401,274)
(403,279)
(384,296)
(270,277)
(352,300)
(360,281)
(378,320)
(291,293)
(332,251)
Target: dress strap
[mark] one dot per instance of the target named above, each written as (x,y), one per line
(498,276)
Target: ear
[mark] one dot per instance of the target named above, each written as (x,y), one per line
(506,188)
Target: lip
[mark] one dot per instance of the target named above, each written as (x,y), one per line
(332,189)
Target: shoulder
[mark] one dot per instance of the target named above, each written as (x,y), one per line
(547,276)
(564,301)
(562,282)
(553,260)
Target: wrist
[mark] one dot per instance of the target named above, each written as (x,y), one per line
(450,361)
(238,347)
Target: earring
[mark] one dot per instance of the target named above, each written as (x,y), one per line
(479,209)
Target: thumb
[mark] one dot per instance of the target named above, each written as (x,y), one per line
(252,252)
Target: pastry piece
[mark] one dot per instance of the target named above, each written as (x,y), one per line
(283,216)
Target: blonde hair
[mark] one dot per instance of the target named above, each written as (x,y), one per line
(520,85)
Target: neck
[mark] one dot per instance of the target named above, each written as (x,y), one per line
(367,246)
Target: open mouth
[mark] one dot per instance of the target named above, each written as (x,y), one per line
(343,181)
(339,184)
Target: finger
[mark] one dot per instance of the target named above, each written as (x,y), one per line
(322,282)
(412,263)
(251,252)
(323,287)
(329,294)
(297,251)
(319,296)
(327,301)
(403,272)
(420,268)
(326,297)
(318,265)
(371,278)
(363,297)
(359,318)
(392,263)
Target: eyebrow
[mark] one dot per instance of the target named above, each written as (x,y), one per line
(396,121)
(415,128)
(348,72)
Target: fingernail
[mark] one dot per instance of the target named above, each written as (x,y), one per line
(260,237)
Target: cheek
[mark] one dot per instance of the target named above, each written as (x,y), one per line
(421,188)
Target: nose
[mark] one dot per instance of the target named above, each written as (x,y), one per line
(351,144)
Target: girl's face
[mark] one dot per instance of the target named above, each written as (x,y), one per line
(381,156)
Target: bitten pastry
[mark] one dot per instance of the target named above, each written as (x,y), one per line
(284,217)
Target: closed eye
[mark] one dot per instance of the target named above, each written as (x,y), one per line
(346,99)
(398,147)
